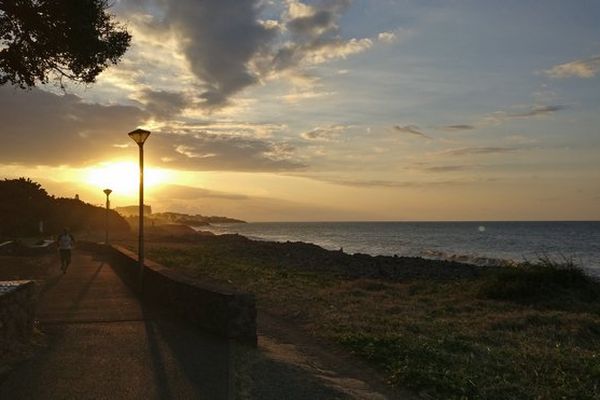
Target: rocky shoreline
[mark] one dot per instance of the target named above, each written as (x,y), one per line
(311,257)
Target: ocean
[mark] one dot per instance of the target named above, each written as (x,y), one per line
(481,243)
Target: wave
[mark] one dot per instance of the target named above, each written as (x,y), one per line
(474,259)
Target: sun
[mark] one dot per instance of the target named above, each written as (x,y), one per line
(123,177)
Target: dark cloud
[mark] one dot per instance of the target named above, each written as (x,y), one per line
(229,47)
(313,25)
(163,105)
(537,110)
(321,21)
(41,128)
(413,130)
(500,117)
(206,151)
(444,168)
(460,127)
(324,134)
(219,39)
(315,37)
(47,129)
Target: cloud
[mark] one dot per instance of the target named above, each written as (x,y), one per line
(182,192)
(198,150)
(387,37)
(228,47)
(497,118)
(460,127)
(314,36)
(195,200)
(467,151)
(583,68)
(324,134)
(163,105)
(413,130)
(537,110)
(533,111)
(394,36)
(444,168)
(369,183)
(41,128)
(298,96)
(227,128)
(219,39)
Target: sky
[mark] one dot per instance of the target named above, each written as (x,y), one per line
(290,110)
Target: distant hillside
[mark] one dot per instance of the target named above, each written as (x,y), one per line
(133,211)
(27,209)
(192,220)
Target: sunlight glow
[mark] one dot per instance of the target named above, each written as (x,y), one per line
(123,177)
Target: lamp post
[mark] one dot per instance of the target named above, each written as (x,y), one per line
(139,136)
(107,192)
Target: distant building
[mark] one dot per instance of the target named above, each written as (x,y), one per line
(132,211)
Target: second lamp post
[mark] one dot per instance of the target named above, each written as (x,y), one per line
(107,192)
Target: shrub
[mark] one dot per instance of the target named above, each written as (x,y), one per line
(544,282)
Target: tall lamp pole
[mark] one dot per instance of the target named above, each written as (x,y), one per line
(107,192)
(139,136)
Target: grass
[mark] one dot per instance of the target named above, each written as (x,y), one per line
(557,284)
(531,332)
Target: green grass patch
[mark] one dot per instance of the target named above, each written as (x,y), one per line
(531,332)
(543,283)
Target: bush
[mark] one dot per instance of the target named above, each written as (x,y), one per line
(544,282)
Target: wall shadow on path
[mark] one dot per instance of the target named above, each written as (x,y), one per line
(181,353)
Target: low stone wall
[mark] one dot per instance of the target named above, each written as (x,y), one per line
(17,313)
(213,306)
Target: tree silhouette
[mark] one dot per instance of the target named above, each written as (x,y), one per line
(24,204)
(57,39)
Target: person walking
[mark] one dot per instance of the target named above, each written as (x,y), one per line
(65,245)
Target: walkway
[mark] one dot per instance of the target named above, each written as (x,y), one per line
(102,344)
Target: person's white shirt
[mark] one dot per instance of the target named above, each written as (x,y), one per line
(65,241)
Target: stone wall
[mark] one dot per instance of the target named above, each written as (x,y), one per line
(214,306)
(17,313)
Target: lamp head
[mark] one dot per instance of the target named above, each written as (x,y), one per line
(107,191)
(139,136)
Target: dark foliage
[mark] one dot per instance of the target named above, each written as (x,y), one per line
(43,39)
(546,283)
(80,216)
(24,203)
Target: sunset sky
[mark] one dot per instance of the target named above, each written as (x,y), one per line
(331,110)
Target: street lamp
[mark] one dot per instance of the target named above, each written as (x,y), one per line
(139,136)
(107,192)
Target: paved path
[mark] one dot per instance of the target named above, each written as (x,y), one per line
(102,344)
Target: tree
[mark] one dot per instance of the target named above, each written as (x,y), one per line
(57,39)
(23,204)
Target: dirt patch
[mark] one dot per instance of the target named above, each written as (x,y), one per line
(334,366)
